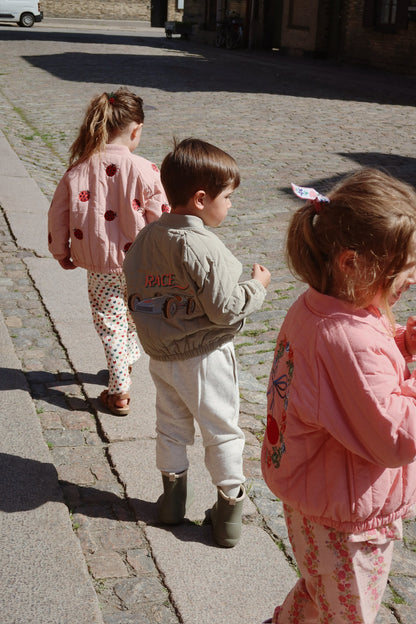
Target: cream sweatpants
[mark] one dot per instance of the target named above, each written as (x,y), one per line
(204,388)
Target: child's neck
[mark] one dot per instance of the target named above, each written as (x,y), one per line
(185,210)
(129,137)
(119,140)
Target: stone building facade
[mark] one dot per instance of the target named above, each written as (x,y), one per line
(261,19)
(379,33)
(115,9)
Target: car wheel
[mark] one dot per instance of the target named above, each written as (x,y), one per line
(133,303)
(171,307)
(27,20)
(190,308)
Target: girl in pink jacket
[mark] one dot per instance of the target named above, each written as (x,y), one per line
(104,199)
(340,444)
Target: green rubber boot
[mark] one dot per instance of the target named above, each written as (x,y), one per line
(172,503)
(226,518)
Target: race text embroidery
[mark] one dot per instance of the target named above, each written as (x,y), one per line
(166,279)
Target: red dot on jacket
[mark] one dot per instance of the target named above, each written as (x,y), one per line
(111,170)
(84,196)
(109,215)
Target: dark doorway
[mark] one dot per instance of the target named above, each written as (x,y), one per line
(211,14)
(272,28)
(158,13)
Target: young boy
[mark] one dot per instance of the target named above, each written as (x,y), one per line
(188,304)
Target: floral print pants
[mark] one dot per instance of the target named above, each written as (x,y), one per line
(107,294)
(343,576)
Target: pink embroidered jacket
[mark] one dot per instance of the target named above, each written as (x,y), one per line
(340,442)
(99,207)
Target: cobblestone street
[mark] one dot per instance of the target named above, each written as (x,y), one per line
(284,120)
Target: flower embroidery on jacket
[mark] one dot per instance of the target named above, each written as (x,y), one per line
(278,400)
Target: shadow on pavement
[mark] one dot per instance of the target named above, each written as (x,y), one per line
(27,484)
(214,71)
(46,387)
(204,68)
(401,167)
(60,36)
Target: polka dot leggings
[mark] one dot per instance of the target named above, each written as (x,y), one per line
(108,299)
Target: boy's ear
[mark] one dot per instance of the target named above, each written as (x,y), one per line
(198,199)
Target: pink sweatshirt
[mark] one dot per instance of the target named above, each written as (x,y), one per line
(99,207)
(340,443)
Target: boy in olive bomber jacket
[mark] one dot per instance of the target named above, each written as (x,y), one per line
(187,303)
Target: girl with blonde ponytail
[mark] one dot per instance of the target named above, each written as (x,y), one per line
(107,195)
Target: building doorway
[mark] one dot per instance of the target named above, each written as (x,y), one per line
(272,23)
(158,13)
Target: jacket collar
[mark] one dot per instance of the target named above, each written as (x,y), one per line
(325,305)
(169,219)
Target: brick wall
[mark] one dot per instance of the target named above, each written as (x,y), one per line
(105,9)
(299,26)
(393,51)
(173,13)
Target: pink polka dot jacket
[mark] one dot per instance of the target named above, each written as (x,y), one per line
(99,207)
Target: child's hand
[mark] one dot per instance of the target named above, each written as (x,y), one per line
(410,335)
(262,275)
(66,263)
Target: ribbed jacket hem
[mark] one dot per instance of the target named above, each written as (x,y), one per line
(187,355)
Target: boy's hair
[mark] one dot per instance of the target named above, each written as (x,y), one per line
(106,114)
(195,165)
(369,212)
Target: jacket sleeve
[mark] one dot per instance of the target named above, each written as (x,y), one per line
(401,343)
(155,200)
(224,299)
(58,222)
(363,402)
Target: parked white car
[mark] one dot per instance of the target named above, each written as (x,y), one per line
(24,12)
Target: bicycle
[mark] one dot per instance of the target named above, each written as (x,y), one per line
(230,33)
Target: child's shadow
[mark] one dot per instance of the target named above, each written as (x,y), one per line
(46,387)
(27,484)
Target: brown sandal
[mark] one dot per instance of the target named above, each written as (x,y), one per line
(109,401)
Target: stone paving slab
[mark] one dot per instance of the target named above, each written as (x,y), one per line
(43,574)
(71,315)
(254,575)
(135,463)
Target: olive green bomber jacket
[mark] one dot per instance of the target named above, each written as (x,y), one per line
(183,286)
